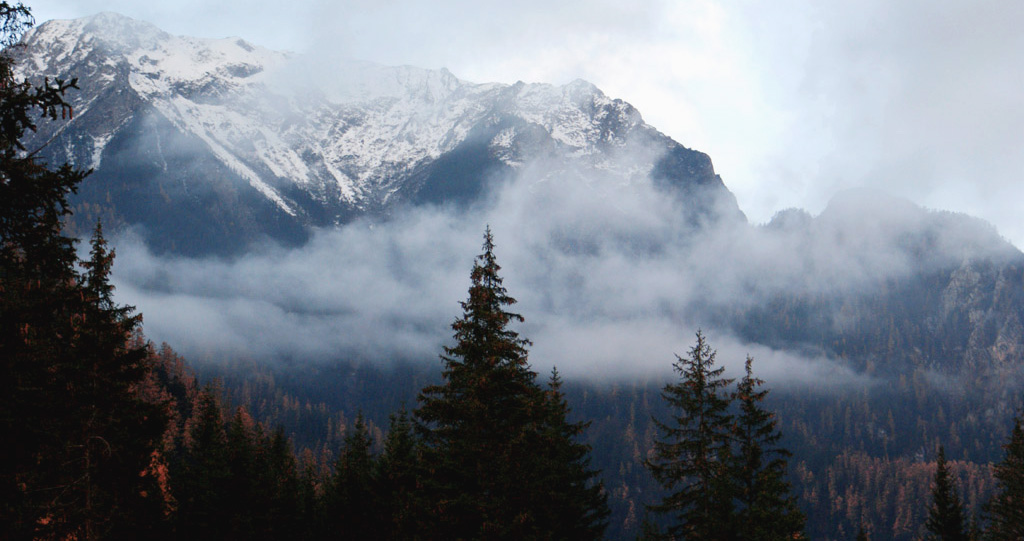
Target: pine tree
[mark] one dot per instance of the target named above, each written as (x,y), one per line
(766,509)
(119,431)
(40,307)
(1006,508)
(946,515)
(396,471)
(202,473)
(488,428)
(692,458)
(278,490)
(352,509)
(575,503)
(70,361)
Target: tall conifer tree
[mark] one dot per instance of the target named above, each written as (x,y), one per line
(494,442)
(574,503)
(946,514)
(352,509)
(1006,509)
(766,509)
(118,430)
(37,300)
(396,473)
(70,365)
(693,457)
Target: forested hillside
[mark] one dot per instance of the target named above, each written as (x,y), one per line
(861,455)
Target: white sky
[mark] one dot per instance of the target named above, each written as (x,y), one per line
(794,100)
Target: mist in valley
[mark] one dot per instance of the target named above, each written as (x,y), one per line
(611,274)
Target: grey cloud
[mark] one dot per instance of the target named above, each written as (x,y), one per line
(919,98)
(418,33)
(608,273)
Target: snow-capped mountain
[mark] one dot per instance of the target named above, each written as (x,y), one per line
(209,143)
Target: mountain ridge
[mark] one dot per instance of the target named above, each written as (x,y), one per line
(211,147)
(305,154)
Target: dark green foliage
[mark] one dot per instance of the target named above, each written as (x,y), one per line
(262,491)
(279,488)
(692,459)
(946,514)
(1006,509)
(492,466)
(720,457)
(233,481)
(851,443)
(352,510)
(766,510)
(241,485)
(119,430)
(565,490)
(70,364)
(397,493)
(202,476)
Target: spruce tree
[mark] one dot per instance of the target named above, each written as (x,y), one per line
(494,443)
(118,430)
(1006,508)
(39,303)
(766,509)
(573,501)
(396,474)
(203,472)
(70,359)
(946,515)
(692,458)
(352,510)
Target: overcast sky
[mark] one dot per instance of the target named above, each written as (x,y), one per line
(794,100)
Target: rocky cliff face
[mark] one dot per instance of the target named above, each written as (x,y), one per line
(211,144)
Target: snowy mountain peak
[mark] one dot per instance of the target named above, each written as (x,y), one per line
(317,139)
(61,39)
(78,46)
(360,81)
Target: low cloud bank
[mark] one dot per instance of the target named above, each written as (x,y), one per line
(608,274)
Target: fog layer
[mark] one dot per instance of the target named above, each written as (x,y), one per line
(610,277)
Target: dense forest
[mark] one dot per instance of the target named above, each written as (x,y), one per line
(115,437)
(864,455)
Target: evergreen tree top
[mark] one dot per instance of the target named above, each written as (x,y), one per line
(945,516)
(1005,512)
(482,334)
(501,459)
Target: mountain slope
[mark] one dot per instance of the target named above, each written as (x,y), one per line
(890,288)
(230,142)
